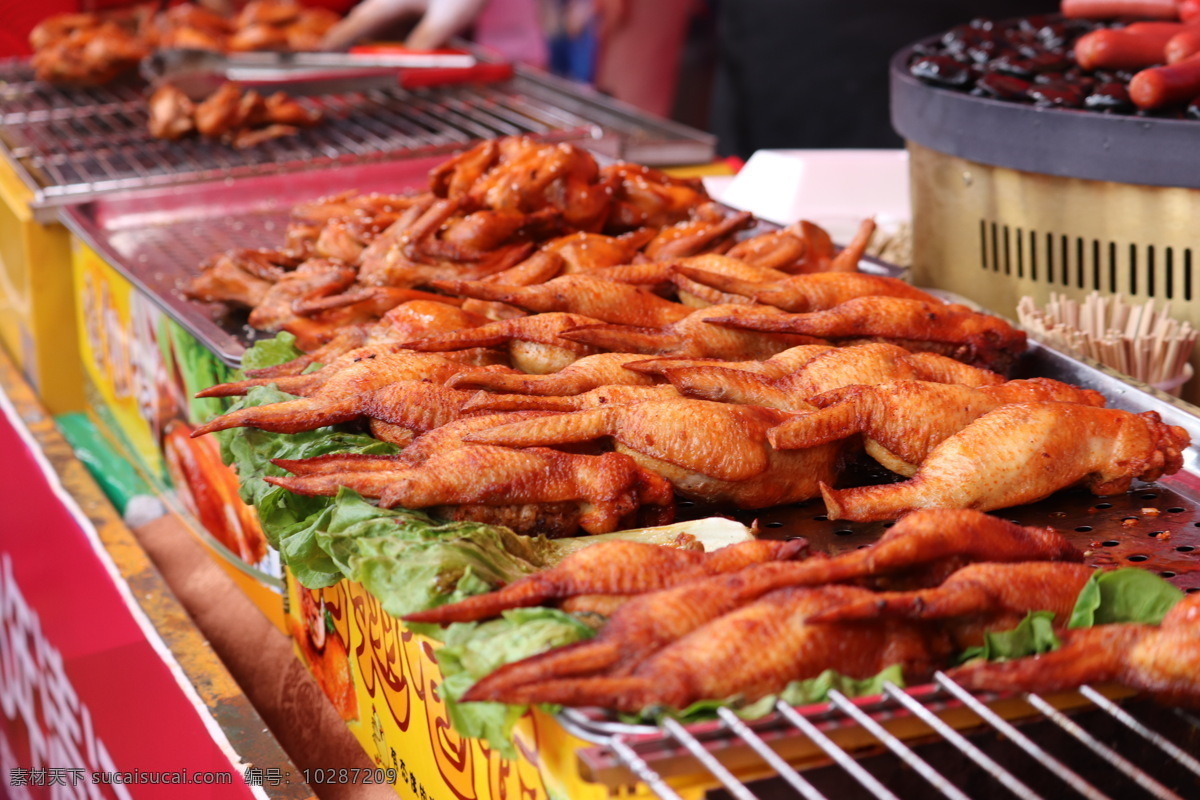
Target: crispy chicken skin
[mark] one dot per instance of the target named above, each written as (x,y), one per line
(969,336)
(536,344)
(903,421)
(618,567)
(709,230)
(1159,660)
(711,662)
(812,292)
(646,196)
(693,337)
(708,451)
(929,543)
(776,366)
(1021,453)
(833,369)
(589,372)
(596,493)
(606,301)
(588,252)
(406,321)
(170,113)
(346,395)
(610,395)
(978,598)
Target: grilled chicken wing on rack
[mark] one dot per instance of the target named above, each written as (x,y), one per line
(589,372)
(813,292)
(1159,660)
(711,662)
(833,369)
(536,344)
(951,329)
(927,544)
(536,490)
(903,421)
(170,113)
(693,337)
(599,299)
(618,567)
(1021,453)
(977,599)
(708,451)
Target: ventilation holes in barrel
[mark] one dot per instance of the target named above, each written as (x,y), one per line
(1075,262)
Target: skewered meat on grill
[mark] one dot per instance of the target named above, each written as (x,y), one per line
(833,369)
(905,420)
(708,451)
(618,567)
(711,662)
(1159,660)
(1024,452)
(951,329)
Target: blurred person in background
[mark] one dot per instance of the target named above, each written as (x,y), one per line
(814,74)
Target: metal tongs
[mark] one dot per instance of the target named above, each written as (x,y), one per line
(199,73)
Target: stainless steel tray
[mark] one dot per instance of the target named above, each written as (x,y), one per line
(73,145)
(158,238)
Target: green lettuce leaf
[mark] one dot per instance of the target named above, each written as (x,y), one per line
(410,562)
(1033,635)
(271,352)
(1124,595)
(796,693)
(475,649)
(250,451)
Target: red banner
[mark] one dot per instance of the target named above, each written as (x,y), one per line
(92,705)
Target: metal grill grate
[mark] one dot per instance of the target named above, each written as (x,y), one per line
(72,144)
(1103,750)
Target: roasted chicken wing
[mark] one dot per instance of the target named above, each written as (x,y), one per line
(833,369)
(1159,660)
(711,662)
(617,567)
(953,330)
(903,421)
(693,337)
(1021,453)
(708,451)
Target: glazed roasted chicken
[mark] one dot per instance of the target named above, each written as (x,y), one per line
(1021,453)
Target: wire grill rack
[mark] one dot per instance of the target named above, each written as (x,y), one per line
(1103,749)
(71,145)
